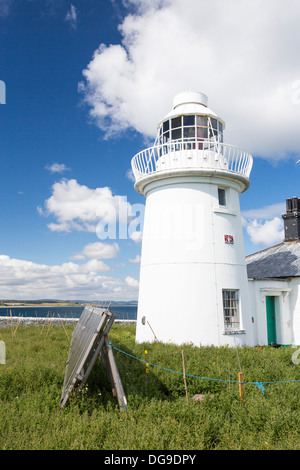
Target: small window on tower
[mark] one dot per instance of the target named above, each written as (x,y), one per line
(231,309)
(222,196)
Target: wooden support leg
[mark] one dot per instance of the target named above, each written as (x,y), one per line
(117,384)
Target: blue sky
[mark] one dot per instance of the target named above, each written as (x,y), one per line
(86,83)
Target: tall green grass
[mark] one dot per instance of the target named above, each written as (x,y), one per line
(158,417)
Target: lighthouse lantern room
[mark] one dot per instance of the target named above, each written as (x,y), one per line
(193,279)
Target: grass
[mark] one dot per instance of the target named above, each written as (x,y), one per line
(158,417)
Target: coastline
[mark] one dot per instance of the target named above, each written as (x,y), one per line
(8,322)
(64,304)
(44,305)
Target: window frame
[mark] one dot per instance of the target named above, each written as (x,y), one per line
(224,192)
(231,309)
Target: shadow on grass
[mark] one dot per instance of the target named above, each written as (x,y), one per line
(138,383)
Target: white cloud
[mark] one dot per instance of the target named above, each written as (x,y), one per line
(131,282)
(25,279)
(130,175)
(266,212)
(241,54)
(21,279)
(71,17)
(136,236)
(266,233)
(136,260)
(98,250)
(264,225)
(77,207)
(57,168)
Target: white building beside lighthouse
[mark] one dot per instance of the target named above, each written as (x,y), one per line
(193,278)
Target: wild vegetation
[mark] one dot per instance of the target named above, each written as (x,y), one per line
(159,416)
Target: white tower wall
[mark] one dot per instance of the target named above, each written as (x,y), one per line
(185,262)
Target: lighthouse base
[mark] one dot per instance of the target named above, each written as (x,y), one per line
(188,307)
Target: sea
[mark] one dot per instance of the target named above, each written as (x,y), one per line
(122,312)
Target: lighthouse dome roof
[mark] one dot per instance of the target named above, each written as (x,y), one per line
(191,102)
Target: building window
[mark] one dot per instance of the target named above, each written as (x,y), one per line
(231,309)
(222,197)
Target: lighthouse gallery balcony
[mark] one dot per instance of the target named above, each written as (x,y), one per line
(195,156)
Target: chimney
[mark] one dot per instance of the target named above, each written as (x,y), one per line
(292,220)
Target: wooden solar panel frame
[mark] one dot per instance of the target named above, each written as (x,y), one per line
(89,341)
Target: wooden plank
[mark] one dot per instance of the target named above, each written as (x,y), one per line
(97,351)
(115,376)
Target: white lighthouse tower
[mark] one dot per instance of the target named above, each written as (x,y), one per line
(193,280)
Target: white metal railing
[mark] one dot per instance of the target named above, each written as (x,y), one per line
(202,154)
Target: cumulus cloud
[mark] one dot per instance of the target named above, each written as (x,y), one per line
(267,233)
(98,250)
(264,225)
(57,168)
(136,260)
(25,279)
(136,236)
(71,17)
(130,175)
(21,279)
(266,212)
(241,54)
(130,281)
(77,207)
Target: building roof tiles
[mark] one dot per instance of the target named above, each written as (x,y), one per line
(279,261)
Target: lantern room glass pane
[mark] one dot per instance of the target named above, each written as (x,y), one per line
(176,122)
(214,123)
(176,134)
(213,133)
(166,137)
(189,132)
(201,121)
(202,133)
(188,120)
(166,126)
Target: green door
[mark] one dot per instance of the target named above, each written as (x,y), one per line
(271,323)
